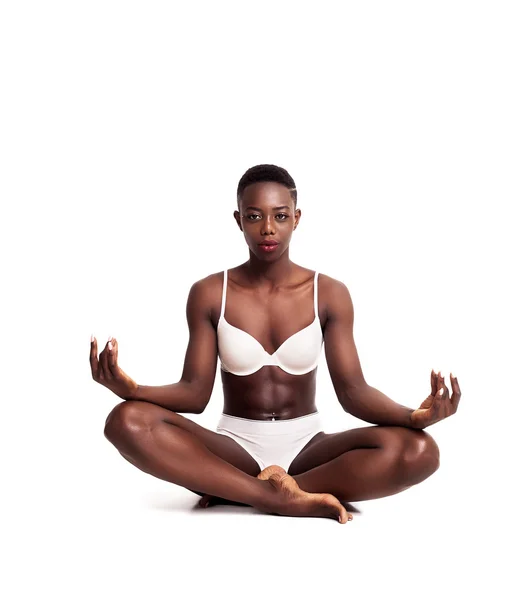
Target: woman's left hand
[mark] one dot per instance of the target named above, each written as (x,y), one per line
(438,405)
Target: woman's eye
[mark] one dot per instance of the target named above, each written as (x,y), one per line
(252,217)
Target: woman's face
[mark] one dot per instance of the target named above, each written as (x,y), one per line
(267,214)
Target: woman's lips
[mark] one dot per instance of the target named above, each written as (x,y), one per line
(268,247)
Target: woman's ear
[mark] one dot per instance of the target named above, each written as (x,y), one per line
(236,214)
(297,215)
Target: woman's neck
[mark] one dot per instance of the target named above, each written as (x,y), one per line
(259,271)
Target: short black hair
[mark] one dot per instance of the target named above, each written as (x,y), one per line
(267,173)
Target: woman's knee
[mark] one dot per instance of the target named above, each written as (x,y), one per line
(127,418)
(420,456)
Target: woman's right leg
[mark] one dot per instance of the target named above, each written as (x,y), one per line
(173,448)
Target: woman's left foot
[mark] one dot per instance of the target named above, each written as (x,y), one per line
(208,500)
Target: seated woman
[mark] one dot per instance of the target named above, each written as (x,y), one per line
(267,320)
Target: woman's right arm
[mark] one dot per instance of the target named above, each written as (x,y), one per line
(192,392)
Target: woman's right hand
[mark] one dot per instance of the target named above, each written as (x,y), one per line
(106,371)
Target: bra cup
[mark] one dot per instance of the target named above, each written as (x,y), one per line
(300,353)
(240,353)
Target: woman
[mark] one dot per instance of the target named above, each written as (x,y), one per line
(267,320)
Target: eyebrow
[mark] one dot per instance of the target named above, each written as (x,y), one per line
(260,210)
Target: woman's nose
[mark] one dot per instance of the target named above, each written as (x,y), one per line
(268,228)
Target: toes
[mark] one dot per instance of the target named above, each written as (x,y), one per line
(340,512)
(345,518)
(205,501)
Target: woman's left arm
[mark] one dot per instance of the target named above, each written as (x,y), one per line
(353,392)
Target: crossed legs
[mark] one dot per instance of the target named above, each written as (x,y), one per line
(358,464)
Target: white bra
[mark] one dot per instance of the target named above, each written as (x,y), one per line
(242,354)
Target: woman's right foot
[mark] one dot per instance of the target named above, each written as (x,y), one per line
(292,501)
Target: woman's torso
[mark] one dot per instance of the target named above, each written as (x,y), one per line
(278,328)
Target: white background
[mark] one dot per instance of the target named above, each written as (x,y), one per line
(125,127)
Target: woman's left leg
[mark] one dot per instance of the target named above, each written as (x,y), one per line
(365,463)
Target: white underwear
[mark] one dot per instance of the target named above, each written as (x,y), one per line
(271,442)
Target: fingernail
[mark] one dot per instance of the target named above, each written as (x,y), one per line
(110,345)
(109,338)
(441,391)
(92,338)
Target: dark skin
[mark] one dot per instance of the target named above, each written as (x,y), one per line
(148,429)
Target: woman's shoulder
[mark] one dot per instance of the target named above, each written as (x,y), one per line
(333,293)
(330,289)
(213,282)
(334,298)
(208,285)
(330,282)
(206,294)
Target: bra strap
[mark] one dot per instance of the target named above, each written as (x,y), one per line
(316,315)
(224,290)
